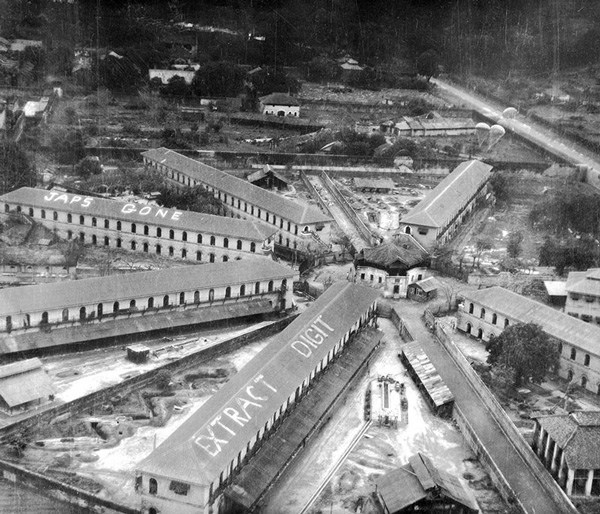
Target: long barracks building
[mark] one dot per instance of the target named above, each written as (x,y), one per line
(300,226)
(191,294)
(192,468)
(138,227)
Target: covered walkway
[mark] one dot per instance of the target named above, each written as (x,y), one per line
(521,479)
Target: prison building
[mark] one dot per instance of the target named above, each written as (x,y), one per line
(80,311)
(427,379)
(23,385)
(300,226)
(489,311)
(438,216)
(140,227)
(567,445)
(200,467)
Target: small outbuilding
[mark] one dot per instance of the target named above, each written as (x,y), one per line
(423,290)
(23,385)
(138,353)
(279,104)
(419,486)
(377,185)
(267,178)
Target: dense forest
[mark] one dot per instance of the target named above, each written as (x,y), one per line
(487,37)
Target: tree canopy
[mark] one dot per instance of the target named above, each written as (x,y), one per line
(15,168)
(525,349)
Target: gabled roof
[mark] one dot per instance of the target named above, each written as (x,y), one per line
(428,284)
(584,282)
(578,434)
(296,212)
(413,482)
(404,249)
(443,202)
(263,172)
(279,99)
(113,209)
(244,404)
(555,323)
(112,288)
(23,382)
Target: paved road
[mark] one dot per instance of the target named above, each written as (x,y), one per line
(533,132)
(526,486)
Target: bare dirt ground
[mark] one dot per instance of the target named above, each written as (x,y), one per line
(379,450)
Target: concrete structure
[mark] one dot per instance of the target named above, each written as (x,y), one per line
(279,104)
(391,267)
(567,444)
(488,311)
(62,305)
(189,471)
(24,384)
(419,486)
(437,217)
(427,379)
(432,125)
(378,185)
(583,295)
(298,226)
(140,227)
(166,75)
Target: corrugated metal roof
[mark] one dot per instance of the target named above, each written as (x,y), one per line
(243,405)
(412,482)
(375,183)
(89,291)
(436,388)
(555,323)
(283,207)
(584,282)
(26,382)
(449,196)
(114,209)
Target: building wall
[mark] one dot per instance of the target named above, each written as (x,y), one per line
(288,110)
(429,236)
(66,314)
(290,234)
(173,503)
(166,501)
(95,233)
(580,367)
(380,279)
(585,307)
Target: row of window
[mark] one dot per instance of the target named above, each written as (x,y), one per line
(118,308)
(228,199)
(588,298)
(482,315)
(134,228)
(274,421)
(586,358)
(588,318)
(146,246)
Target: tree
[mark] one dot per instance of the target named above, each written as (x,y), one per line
(481,245)
(88,166)
(68,147)
(220,78)
(163,379)
(428,64)
(500,185)
(526,349)
(513,247)
(15,168)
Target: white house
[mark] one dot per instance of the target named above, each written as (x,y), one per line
(279,104)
